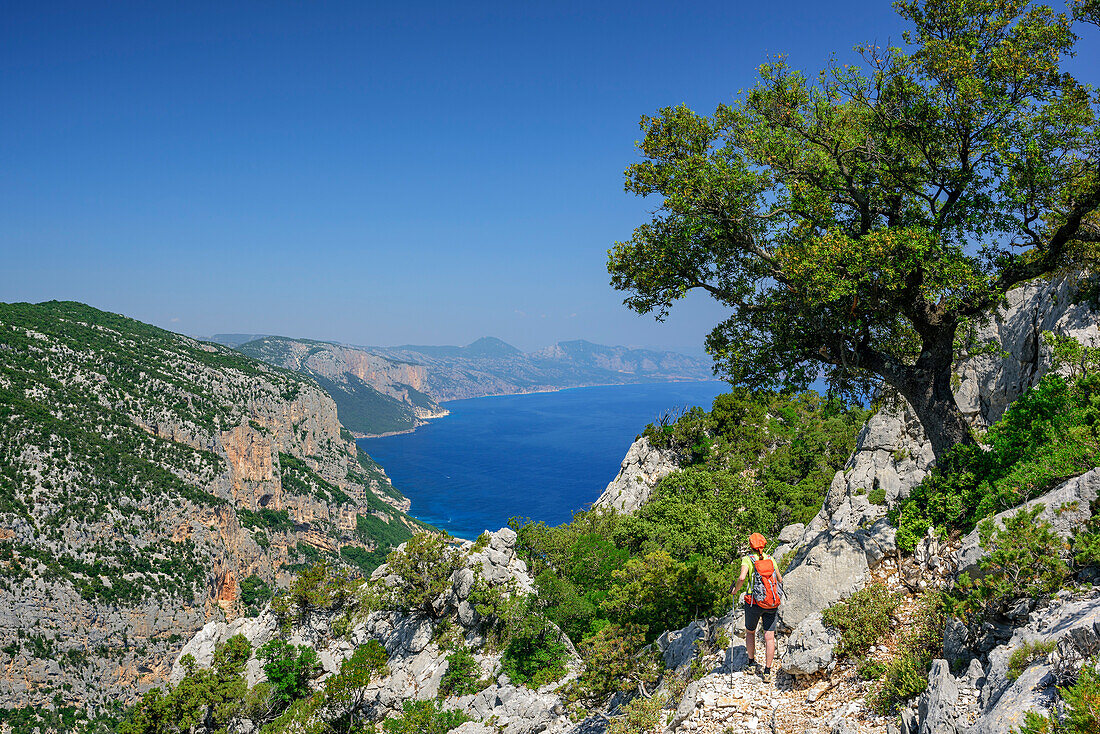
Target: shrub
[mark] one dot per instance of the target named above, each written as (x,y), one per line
(205,697)
(1026,654)
(1082,711)
(868,669)
(616,660)
(254,591)
(423,568)
(1046,436)
(424,717)
(289,669)
(318,587)
(862,619)
(1022,561)
(640,715)
(534,654)
(463,676)
(907,675)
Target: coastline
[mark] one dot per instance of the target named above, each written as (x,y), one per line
(536,391)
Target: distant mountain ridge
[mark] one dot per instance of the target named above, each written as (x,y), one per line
(389,389)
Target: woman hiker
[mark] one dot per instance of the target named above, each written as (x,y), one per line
(761,603)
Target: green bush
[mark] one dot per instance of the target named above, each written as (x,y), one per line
(423,569)
(534,654)
(863,619)
(289,669)
(640,715)
(616,660)
(254,592)
(424,717)
(1022,561)
(204,698)
(906,675)
(463,676)
(1026,654)
(1082,713)
(868,669)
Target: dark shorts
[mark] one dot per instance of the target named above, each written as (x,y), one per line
(754,615)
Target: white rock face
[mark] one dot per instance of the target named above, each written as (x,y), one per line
(639,473)
(1071,622)
(258,630)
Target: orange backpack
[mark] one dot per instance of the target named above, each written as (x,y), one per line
(767,590)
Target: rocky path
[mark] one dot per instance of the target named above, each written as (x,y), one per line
(741,702)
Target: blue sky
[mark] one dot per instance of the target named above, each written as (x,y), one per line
(364,172)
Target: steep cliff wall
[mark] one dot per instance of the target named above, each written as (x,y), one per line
(143,477)
(373,394)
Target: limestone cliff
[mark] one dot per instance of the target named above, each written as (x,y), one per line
(373,394)
(143,477)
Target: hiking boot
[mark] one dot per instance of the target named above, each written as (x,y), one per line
(752,668)
(766,675)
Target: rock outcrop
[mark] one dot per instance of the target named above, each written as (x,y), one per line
(1067,508)
(988,700)
(417,662)
(641,469)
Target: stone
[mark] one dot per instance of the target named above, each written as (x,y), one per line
(809,648)
(830,568)
(641,469)
(791,533)
(936,708)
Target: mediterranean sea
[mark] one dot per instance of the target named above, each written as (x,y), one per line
(540,456)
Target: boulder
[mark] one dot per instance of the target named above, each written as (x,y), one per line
(830,568)
(937,704)
(809,648)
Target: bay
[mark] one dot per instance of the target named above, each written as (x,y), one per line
(540,456)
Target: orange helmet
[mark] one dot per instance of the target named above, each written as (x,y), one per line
(757,542)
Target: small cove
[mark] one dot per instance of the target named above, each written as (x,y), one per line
(539,456)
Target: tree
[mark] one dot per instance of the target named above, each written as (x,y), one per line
(862,223)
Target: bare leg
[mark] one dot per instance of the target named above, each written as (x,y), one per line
(769,648)
(750,643)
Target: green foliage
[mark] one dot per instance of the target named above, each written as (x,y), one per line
(906,675)
(424,717)
(1047,435)
(255,592)
(289,670)
(868,669)
(1082,713)
(205,697)
(791,445)
(534,654)
(1022,561)
(862,619)
(320,586)
(1026,654)
(640,715)
(463,676)
(617,660)
(277,520)
(864,257)
(423,569)
(658,592)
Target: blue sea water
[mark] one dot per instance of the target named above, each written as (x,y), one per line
(539,456)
